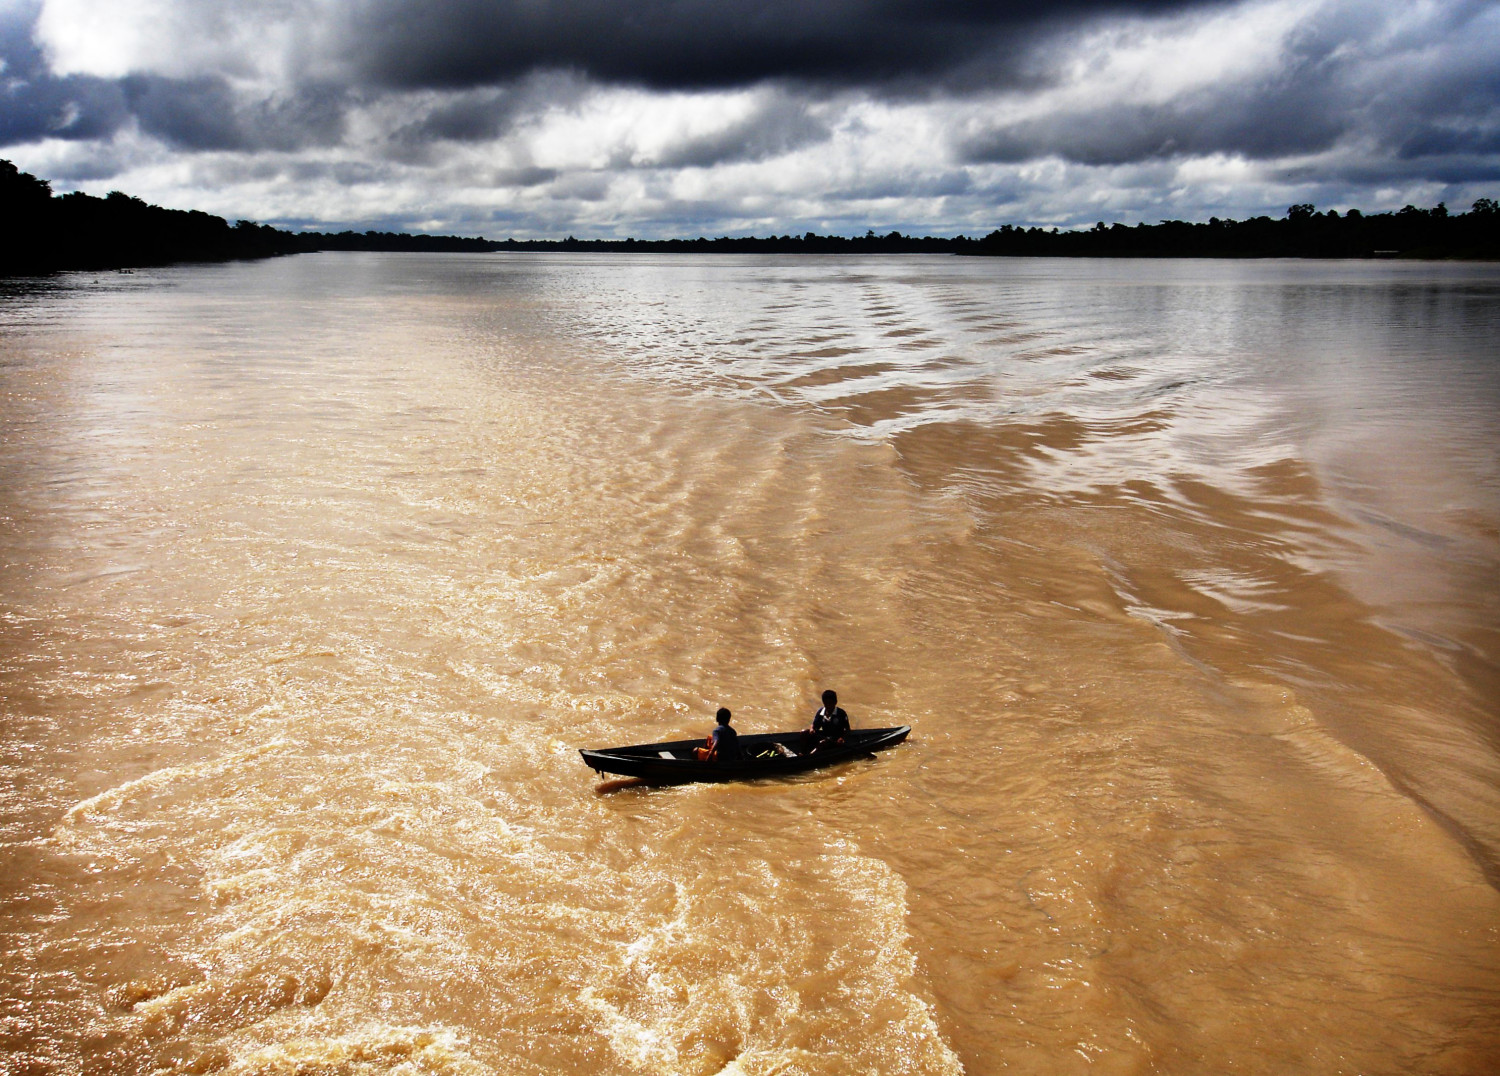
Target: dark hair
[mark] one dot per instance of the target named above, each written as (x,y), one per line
(830,697)
(723,715)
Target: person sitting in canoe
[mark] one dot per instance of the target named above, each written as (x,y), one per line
(829,725)
(723,742)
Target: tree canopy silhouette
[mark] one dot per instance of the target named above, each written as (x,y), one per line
(1304,233)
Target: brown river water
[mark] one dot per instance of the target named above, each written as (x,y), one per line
(315,573)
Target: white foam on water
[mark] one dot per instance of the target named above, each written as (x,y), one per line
(413,899)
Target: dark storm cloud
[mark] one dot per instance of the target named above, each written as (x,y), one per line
(493,64)
(598,115)
(1433,140)
(697,44)
(1454,169)
(35,105)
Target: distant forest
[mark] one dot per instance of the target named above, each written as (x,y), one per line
(46,232)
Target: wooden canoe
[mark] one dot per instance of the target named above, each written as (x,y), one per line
(673,762)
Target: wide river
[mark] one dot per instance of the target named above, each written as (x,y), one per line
(316,572)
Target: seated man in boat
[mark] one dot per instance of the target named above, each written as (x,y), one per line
(829,725)
(723,742)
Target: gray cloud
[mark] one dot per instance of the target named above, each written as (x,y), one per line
(582,187)
(485,113)
(1434,90)
(475,116)
(521,177)
(207,114)
(1276,124)
(778,126)
(201,113)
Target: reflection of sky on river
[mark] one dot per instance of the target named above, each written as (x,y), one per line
(1204,368)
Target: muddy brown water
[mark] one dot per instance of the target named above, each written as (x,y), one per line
(315,573)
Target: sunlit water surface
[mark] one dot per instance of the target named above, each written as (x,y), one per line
(316,572)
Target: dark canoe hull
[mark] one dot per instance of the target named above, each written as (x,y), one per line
(673,762)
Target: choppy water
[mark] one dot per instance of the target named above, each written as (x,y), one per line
(314,574)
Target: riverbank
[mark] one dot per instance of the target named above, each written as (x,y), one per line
(77,231)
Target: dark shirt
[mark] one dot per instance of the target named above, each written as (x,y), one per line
(726,744)
(832,726)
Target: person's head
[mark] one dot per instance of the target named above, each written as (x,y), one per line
(830,698)
(723,715)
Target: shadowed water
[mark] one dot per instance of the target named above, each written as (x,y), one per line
(316,572)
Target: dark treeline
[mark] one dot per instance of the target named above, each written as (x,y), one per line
(44,232)
(389,241)
(77,231)
(1303,233)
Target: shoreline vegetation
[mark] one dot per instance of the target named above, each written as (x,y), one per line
(48,233)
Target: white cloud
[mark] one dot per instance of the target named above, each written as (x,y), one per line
(267,41)
(1157,62)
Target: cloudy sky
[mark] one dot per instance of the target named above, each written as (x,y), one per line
(687,117)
